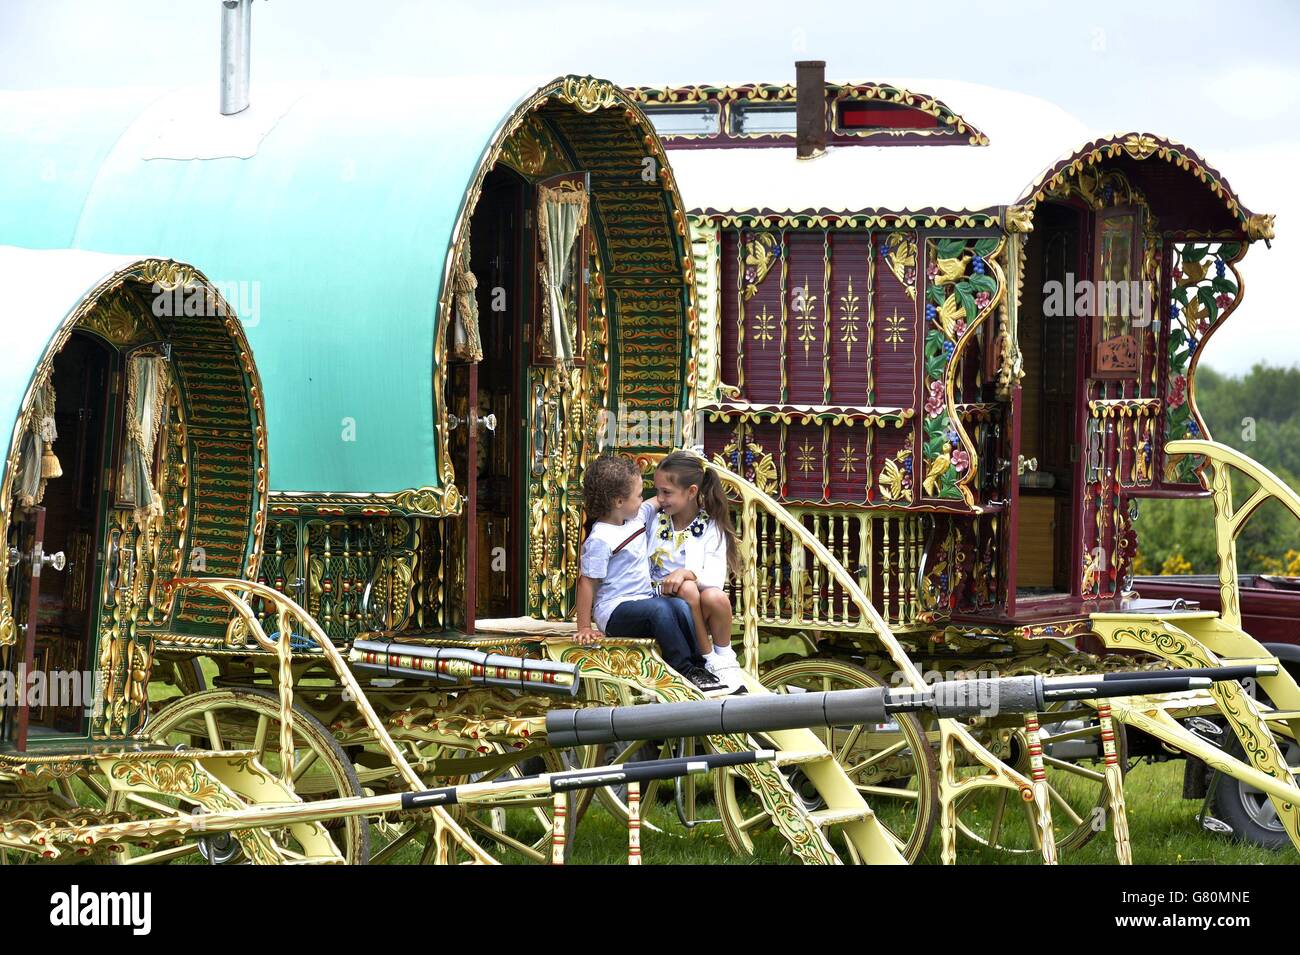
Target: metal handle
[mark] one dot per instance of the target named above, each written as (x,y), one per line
(38,559)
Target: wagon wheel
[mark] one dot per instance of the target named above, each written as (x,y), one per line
(250,719)
(519,829)
(893,765)
(614,798)
(1071,733)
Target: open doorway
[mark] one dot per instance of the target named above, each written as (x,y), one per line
(499,258)
(1056,260)
(57,609)
(484,398)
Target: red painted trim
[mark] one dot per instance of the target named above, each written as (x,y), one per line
(29,635)
(1012,525)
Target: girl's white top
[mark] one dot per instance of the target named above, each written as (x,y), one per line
(700,548)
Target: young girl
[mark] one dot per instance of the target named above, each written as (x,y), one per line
(692,549)
(614,586)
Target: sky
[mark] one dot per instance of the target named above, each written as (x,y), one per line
(1222,78)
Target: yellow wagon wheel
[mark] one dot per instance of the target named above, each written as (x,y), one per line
(1072,760)
(250,719)
(893,765)
(517,829)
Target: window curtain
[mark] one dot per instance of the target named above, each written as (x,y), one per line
(148,380)
(466,343)
(38,462)
(562,214)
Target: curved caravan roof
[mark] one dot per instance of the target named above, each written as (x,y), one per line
(1012,144)
(215,491)
(326,214)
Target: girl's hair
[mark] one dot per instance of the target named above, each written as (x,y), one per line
(685,468)
(606,479)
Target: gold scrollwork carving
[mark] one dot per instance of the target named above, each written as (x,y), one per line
(588,93)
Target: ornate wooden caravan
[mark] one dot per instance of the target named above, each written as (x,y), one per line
(889,330)
(897,340)
(138,453)
(379,385)
(456,301)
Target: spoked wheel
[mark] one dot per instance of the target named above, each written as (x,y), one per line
(1072,761)
(250,719)
(891,764)
(515,829)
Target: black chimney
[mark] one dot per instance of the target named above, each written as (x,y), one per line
(810,108)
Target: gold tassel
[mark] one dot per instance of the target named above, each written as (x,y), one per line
(50,466)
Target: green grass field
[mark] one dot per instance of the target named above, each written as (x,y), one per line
(1162,828)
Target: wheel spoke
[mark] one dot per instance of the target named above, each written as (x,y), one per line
(496,835)
(1031,814)
(429,848)
(304,763)
(889,792)
(752,821)
(1083,733)
(259,734)
(214,736)
(890,750)
(996,828)
(1056,797)
(854,734)
(163,855)
(391,849)
(1075,768)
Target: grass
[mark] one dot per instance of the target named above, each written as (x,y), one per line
(1162,829)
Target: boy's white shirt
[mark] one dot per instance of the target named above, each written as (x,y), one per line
(705,555)
(599,546)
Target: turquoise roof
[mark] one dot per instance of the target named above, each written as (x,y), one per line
(39,290)
(325,214)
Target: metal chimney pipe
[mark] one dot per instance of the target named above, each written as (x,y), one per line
(810,108)
(236,41)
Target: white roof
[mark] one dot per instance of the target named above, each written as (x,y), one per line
(1027,135)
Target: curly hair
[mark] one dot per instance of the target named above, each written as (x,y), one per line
(606,479)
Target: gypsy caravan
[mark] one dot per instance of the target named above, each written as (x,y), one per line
(385,240)
(956,334)
(448,294)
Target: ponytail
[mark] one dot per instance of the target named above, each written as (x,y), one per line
(688,468)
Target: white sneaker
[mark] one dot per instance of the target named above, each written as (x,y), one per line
(730,672)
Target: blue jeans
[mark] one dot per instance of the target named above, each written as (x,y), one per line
(667,619)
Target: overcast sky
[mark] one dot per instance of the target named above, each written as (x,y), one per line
(1221,77)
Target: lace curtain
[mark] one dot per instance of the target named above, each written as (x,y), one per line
(148,380)
(562,213)
(38,462)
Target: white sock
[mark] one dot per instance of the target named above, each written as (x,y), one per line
(723,651)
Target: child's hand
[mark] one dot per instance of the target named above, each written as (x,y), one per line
(588,636)
(673,582)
